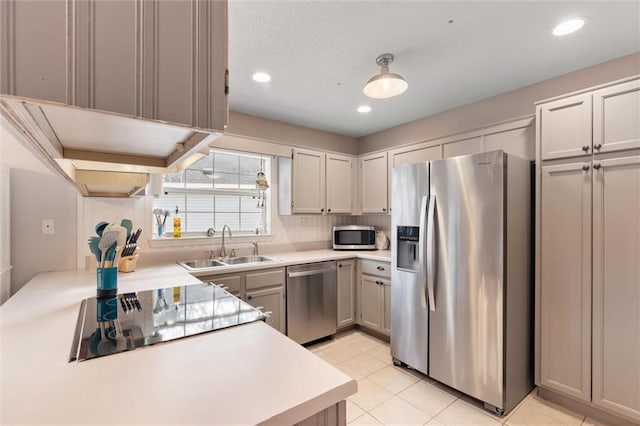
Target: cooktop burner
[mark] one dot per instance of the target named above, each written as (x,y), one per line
(132,320)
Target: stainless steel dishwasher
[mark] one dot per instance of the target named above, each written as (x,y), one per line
(311,301)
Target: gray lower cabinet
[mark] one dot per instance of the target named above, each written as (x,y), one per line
(271,300)
(386,318)
(346,292)
(263,288)
(233,283)
(589,282)
(266,289)
(616,285)
(565,276)
(371,295)
(375,296)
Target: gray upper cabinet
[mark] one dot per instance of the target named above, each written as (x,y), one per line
(314,182)
(110,91)
(565,127)
(158,60)
(308,182)
(33,49)
(616,285)
(588,248)
(103,39)
(339,171)
(374,183)
(565,276)
(616,117)
(414,154)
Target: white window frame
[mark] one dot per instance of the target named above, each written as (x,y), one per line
(237,234)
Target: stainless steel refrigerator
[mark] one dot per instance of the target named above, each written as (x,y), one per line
(460,281)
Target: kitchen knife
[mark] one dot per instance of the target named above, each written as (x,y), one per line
(135,237)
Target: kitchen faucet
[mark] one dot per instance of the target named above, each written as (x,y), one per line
(255,248)
(223,251)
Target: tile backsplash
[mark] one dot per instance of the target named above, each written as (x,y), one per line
(288,233)
(382,222)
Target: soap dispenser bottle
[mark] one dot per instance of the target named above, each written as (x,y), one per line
(176,225)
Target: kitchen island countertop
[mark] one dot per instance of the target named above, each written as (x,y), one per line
(248,374)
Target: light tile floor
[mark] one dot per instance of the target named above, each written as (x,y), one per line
(390,395)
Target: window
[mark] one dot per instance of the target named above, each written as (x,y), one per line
(219,190)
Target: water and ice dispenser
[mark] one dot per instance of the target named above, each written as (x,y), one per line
(408,251)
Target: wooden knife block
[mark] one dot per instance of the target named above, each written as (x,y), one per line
(128,264)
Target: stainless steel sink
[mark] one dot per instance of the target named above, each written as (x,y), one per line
(212,263)
(201,264)
(246,259)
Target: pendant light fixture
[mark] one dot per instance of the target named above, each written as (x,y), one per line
(386,84)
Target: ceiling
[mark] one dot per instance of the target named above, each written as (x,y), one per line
(321,53)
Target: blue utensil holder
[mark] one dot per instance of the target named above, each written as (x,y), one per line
(107,279)
(107,309)
(160,229)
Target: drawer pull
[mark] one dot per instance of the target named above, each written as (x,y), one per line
(380,268)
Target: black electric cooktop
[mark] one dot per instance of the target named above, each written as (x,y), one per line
(131,320)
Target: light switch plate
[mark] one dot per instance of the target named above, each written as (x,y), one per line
(48,227)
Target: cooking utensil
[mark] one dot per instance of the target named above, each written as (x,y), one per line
(108,240)
(127,224)
(100,228)
(93,246)
(121,241)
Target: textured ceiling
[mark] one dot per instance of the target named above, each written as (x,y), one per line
(320,54)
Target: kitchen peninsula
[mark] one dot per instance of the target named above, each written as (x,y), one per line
(249,374)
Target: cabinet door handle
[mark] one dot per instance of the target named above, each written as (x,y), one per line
(321,210)
(597,146)
(339,265)
(585,167)
(585,148)
(329,210)
(384,209)
(249,297)
(597,166)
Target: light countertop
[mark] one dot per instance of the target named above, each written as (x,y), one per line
(248,374)
(296,258)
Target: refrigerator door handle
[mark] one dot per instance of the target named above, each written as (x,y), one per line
(431,255)
(422,250)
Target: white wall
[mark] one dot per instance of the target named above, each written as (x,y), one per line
(36,196)
(36,193)
(299,232)
(506,106)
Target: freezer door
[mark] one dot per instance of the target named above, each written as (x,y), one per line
(409,314)
(466,321)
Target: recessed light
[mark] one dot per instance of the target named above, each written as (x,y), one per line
(261,77)
(568,26)
(364,108)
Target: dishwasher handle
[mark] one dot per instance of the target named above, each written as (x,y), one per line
(312,272)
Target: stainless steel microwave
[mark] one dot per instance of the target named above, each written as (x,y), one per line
(354,237)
